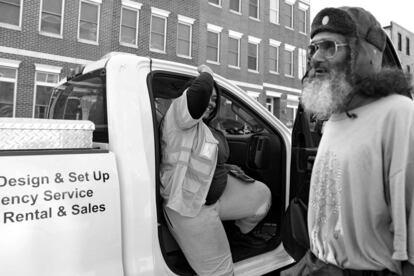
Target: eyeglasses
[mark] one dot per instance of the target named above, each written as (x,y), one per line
(327,48)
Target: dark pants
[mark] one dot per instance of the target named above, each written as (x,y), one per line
(312,266)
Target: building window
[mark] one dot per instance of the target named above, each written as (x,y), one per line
(302,18)
(215,2)
(235,6)
(128,34)
(234,49)
(10,13)
(399,42)
(213,43)
(408,69)
(301,63)
(274,56)
(89,21)
(8,82)
(289,15)
(158,30)
(46,78)
(289,60)
(269,104)
(407,46)
(274,11)
(51,17)
(253,54)
(254,9)
(184,36)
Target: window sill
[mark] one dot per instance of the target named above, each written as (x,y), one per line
(158,51)
(289,76)
(213,62)
(274,72)
(235,12)
(11,27)
(214,5)
(88,41)
(51,35)
(303,33)
(253,71)
(254,19)
(234,67)
(128,45)
(183,56)
(289,28)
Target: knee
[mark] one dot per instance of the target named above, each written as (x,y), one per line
(265,198)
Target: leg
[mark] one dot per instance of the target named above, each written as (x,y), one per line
(247,203)
(203,241)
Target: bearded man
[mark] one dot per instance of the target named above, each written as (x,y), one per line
(361,201)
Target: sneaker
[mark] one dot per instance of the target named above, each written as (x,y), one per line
(246,240)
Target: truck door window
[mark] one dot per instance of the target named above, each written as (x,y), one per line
(82,98)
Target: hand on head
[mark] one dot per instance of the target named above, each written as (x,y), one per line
(204,68)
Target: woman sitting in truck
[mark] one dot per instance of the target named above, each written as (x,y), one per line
(199,189)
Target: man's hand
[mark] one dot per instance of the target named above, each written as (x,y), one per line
(204,68)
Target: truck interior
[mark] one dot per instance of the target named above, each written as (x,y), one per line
(254,145)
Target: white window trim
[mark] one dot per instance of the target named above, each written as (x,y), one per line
(164,15)
(47,68)
(236,12)
(273,94)
(215,5)
(189,22)
(98,4)
(137,10)
(11,63)
(274,43)
(289,47)
(43,68)
(301,62)
(238,36)
(255,95)
(185,19)
(256,41)
(258,12)
(214,28)
(131,4)
(278,14)
(291,27)
(304,8)
(60,35)
(159,12)
(290,2)
(14,27)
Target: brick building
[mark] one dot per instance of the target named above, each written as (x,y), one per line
(258,44)
(402,40)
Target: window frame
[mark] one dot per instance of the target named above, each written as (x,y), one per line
(219,5)
(132,6)
(11,26)
(237,36)
(407,46)
(290,4)
(257,10)
(275,44)
(276,10)
(399,42)
(98,4)
(290,49)
(46,69)
(187,21)
(303,8)
(253,41)
(62,20)
(234,11)
(11,64)
(161,14)
(216,30)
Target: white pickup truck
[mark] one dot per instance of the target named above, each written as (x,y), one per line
(97,210)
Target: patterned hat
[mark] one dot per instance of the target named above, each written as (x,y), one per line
(350,21)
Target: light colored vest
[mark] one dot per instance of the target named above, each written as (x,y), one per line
(189,157)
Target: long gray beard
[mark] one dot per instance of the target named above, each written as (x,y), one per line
(327,96)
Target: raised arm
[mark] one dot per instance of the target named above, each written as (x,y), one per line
(199,93)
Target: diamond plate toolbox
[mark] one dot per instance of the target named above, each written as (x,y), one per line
(27,133)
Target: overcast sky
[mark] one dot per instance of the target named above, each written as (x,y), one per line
(399,11)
